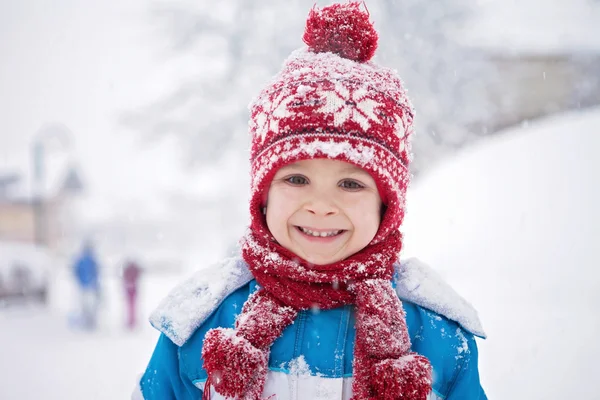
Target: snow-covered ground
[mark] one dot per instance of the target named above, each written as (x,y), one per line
(511,223)
(42,357)
(514,225)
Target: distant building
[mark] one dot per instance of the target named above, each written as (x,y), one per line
(24,218)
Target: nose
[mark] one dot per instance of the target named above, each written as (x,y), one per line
(321,206)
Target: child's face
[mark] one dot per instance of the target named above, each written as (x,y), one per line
(318,197)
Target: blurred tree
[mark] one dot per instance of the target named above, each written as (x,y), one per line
(446,80)
(237,46)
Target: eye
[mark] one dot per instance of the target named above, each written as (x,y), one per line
(350,184)
(296,180)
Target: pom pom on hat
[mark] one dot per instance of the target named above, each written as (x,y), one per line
(343,29)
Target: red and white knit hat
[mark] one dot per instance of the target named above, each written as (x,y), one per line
(331,101)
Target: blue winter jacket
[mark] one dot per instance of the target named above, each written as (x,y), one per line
(86,269)
(319,344)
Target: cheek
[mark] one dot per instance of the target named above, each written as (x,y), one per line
(368,203)
(279,209)
(366,214)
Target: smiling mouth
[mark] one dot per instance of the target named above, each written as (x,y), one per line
(322,234)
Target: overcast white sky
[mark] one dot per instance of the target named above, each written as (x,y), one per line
(537,26)
(81,63)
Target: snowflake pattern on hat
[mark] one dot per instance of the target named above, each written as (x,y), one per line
(268,119)
(350,104)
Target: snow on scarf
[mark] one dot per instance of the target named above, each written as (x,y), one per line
(384,367)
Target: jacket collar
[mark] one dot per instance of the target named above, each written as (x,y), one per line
(189,304)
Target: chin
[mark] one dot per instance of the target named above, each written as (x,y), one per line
(323,260)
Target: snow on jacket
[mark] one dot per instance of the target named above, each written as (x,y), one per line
(313,357)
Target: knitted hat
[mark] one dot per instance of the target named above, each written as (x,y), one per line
(331,101)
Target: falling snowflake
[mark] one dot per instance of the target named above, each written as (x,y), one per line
(350,104)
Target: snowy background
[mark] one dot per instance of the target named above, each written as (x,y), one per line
(151,98)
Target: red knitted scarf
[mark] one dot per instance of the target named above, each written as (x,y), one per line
(383,366)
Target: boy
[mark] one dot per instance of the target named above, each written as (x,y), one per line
(313,308)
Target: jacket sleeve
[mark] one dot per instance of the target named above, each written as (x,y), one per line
(466,385)
(163,379)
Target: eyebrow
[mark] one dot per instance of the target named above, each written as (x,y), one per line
(345,170)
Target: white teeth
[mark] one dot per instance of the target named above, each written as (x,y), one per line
(319,234)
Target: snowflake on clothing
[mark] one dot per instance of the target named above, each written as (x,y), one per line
(268,119)
(350,104)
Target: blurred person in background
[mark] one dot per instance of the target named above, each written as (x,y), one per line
(131,275)
(85,270)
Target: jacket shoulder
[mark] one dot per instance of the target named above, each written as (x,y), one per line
(190,303)
(451,350)
(418,283)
